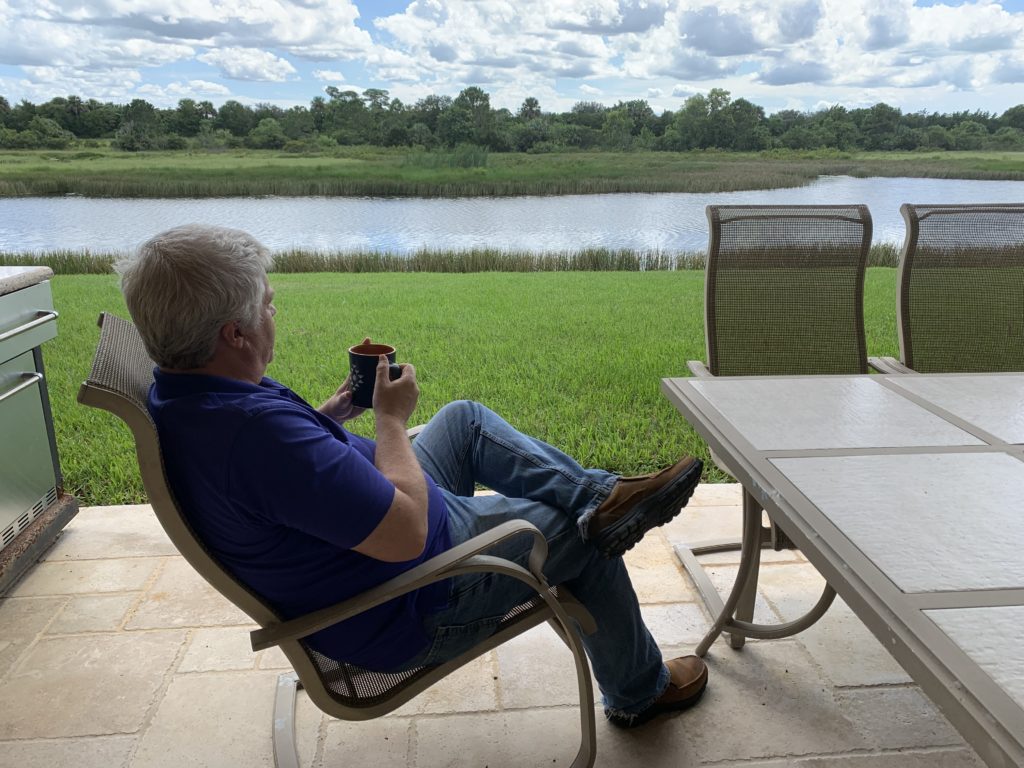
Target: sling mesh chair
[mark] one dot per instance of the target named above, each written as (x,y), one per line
(121,375)
(783,295)
(960,290)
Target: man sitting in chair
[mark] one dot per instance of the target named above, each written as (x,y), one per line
(307,514)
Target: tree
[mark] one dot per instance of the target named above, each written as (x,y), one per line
(268,134)
(478,104)
(186,120)
(530,109)
(140,127)
(1013,117)
(617,130)
(235,117)
(587,113)
(749,129)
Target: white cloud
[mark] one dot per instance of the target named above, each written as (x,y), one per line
(591,90)
(329,76)
(249,64)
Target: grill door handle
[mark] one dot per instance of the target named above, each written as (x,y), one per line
(43,316)
(28,379)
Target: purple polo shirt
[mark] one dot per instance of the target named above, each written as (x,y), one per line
(279,494)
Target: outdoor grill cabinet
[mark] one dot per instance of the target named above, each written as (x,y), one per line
(33,506)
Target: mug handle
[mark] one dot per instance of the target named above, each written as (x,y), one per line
(394,372)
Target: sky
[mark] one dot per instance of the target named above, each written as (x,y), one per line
(781,54)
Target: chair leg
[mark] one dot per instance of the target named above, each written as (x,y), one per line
(587,754)
(286,753)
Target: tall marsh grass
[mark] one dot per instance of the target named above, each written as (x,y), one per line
(440,261)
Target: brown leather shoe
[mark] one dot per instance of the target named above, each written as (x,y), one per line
(687,683)
(637,504)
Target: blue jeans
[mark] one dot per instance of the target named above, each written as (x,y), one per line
(465,444)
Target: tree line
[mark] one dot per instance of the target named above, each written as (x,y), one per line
(344,117)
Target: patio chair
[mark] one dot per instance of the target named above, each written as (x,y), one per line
(783,295)
(121,376)
(960,290)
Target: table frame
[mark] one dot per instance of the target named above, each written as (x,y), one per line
(975,704)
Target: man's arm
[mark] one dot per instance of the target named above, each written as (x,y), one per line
(402,533)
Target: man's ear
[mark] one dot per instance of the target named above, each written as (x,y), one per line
(231,334)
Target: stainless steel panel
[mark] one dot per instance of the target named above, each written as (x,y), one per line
(27,319)
(27,478)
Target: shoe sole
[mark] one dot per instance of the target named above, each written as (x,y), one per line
(622,536)
(655,711)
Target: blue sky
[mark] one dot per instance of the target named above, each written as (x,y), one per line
(781,54)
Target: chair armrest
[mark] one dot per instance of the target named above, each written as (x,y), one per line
(411,432)
(697,368)
(461,558)
(889,365)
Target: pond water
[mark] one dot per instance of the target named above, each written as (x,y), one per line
(668,221)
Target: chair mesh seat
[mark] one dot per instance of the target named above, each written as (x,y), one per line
(961,288)
(357,687)
(784,289)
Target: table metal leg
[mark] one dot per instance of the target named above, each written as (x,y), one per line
(734,616)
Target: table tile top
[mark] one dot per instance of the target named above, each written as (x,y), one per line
(985,634)
(994,403)
(834,412)
(930,522)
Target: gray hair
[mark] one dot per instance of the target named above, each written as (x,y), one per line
(183,285)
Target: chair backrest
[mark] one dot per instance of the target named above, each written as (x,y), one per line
(784,289)
(122,373)
(960,292)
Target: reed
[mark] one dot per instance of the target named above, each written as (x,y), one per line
(66,262)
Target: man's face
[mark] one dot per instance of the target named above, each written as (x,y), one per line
(263,335)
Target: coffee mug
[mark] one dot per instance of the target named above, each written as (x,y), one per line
(362,363)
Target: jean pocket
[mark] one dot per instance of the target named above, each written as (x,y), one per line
(453,640)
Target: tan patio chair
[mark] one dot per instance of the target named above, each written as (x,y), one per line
(960,290)
(783,295)
(121,375)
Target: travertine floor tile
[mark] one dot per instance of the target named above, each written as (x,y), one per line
(654,573)
(716,494)
(844,649)
(384,743)
(85,576)
(96,684)
(219,719)
(102,752)
(517,739)
(472,688)
(676,625)
(97,533)
(217,649)
(767,701)
(897,718)
(536,669)
(93,613)
(21,620)
(939,758)
(181,598)
(724,576)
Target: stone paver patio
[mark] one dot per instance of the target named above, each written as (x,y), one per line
(114,653)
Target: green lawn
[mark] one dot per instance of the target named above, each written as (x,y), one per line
(381,172)
(573,358)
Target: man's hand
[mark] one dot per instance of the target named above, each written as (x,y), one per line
(339,405)
(395,399)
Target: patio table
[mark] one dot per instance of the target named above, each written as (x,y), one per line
(906,492)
